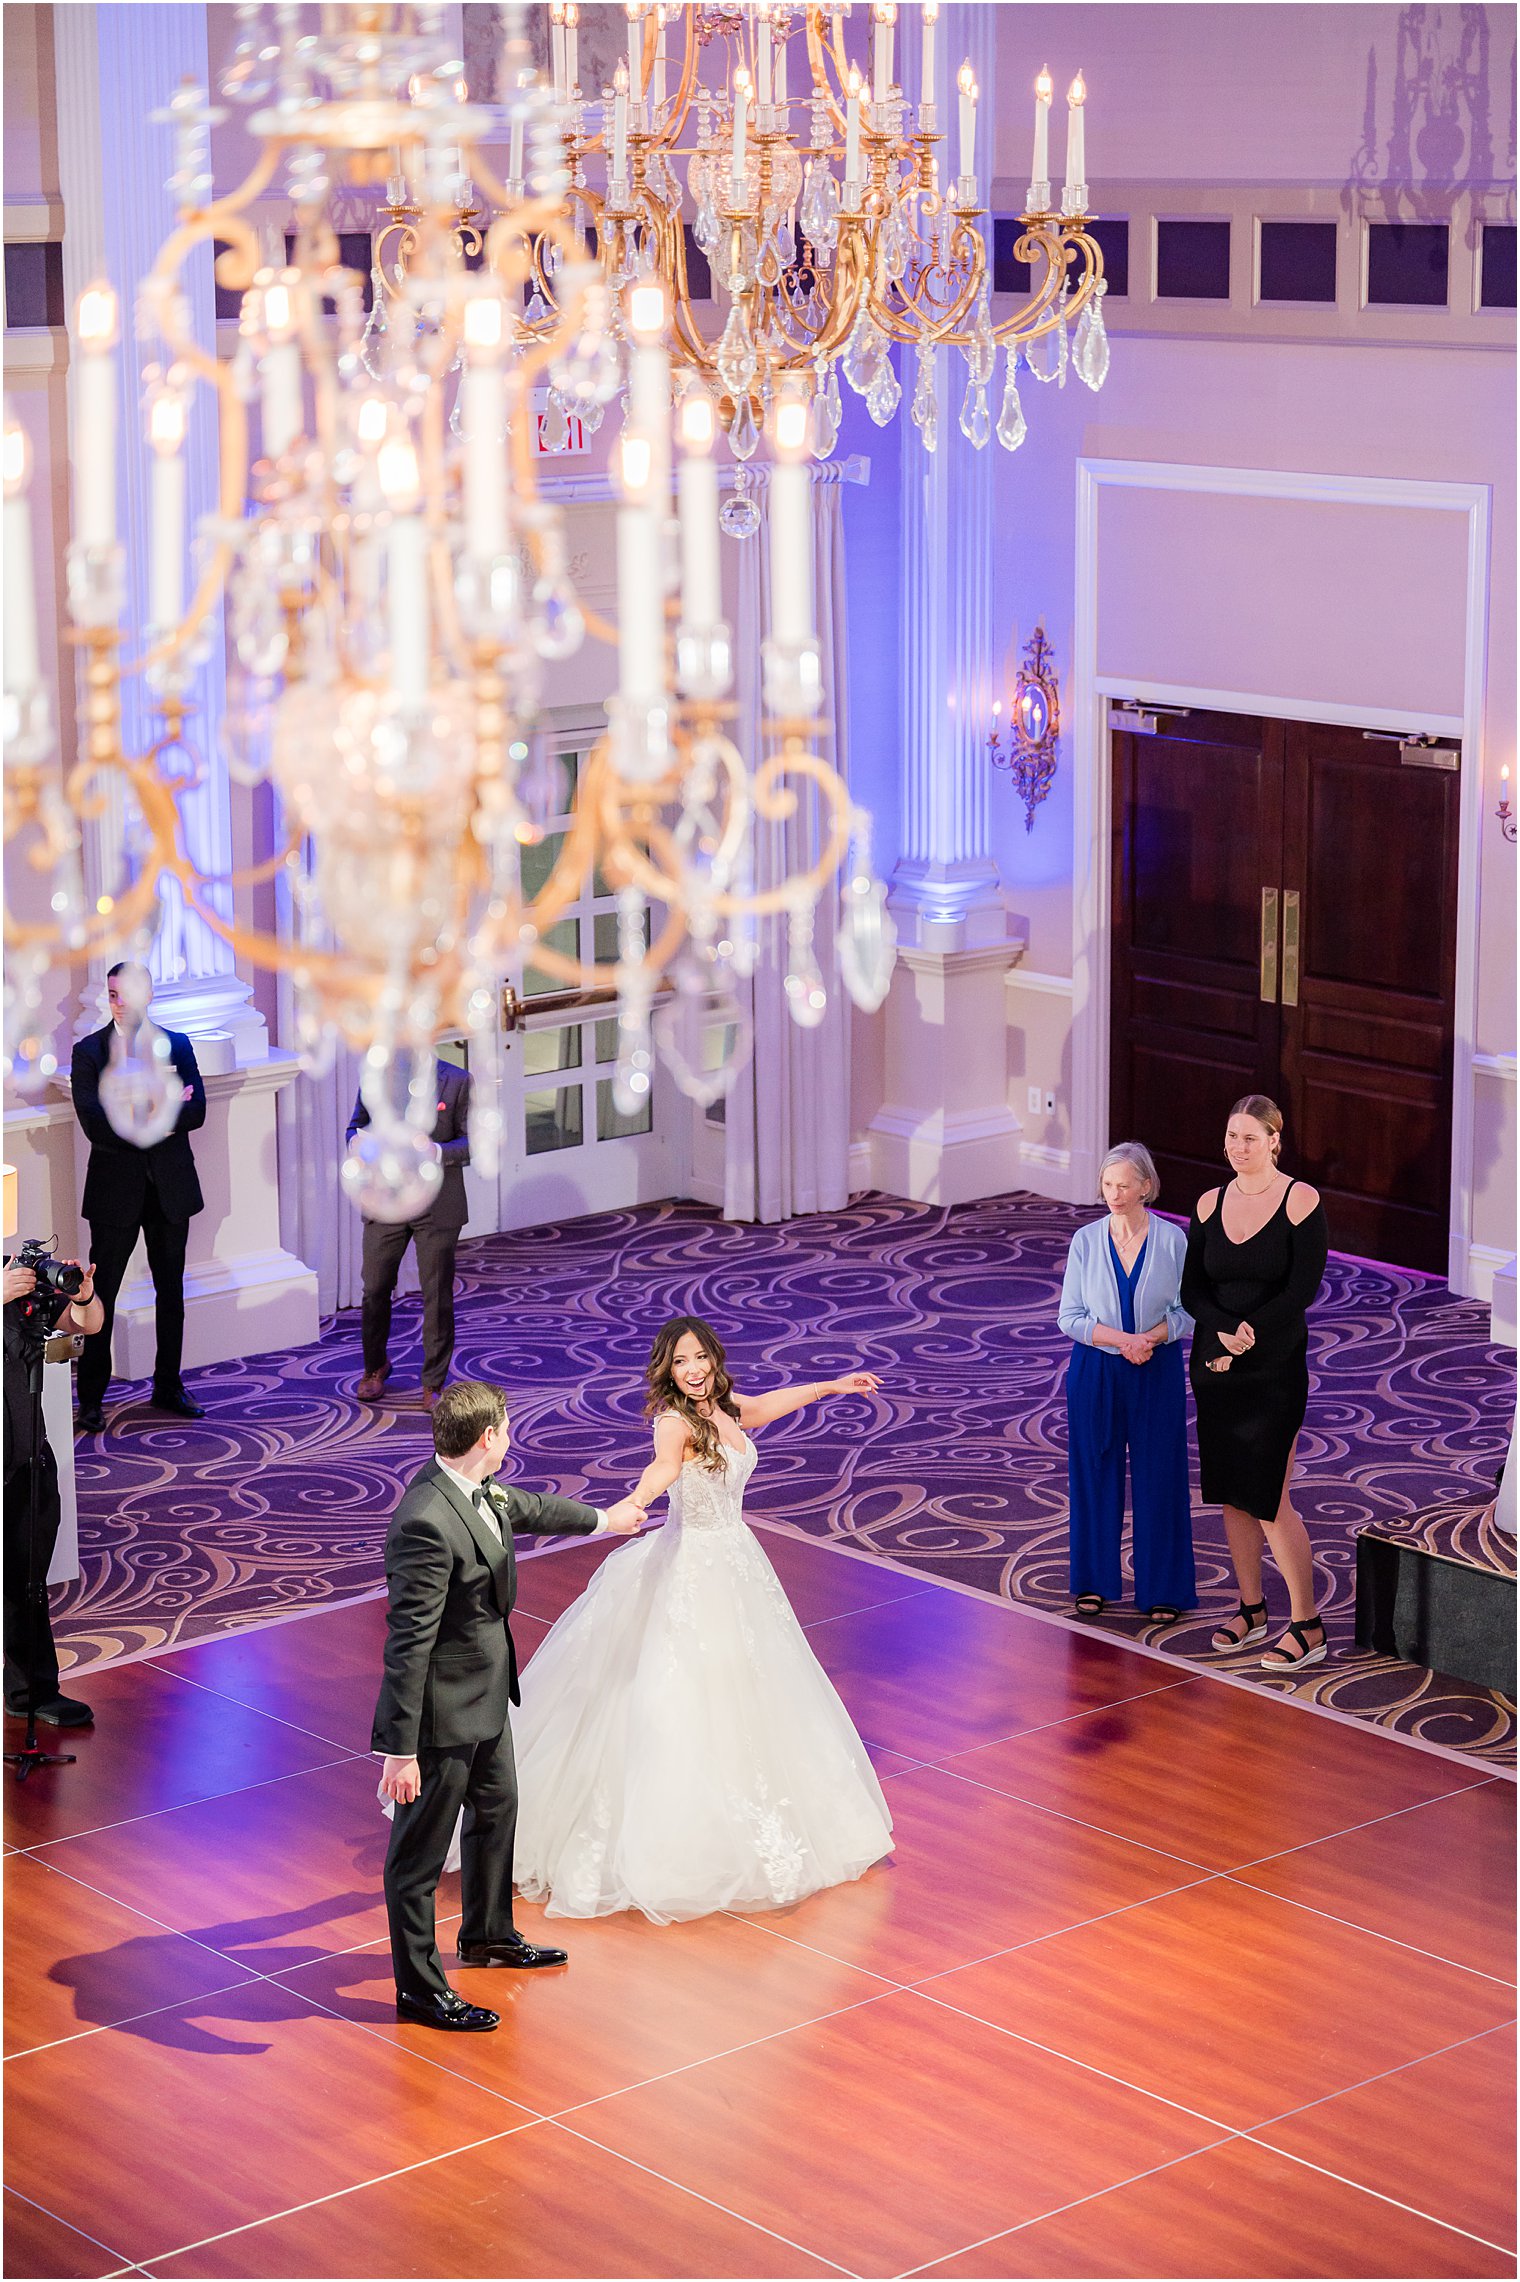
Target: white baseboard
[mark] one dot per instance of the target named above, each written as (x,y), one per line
(1048,1172)
(862,1173)
(1484,1262)
(252,1304)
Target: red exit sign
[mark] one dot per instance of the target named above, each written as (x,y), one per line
(578,443)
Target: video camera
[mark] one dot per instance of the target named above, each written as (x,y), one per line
(58,1282)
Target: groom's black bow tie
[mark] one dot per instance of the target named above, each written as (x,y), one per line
(489,1511)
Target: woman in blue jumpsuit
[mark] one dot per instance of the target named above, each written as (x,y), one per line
(1126,1392)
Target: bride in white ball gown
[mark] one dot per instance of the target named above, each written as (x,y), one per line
(679,1748)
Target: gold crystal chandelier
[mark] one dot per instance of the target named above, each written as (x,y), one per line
(394,576)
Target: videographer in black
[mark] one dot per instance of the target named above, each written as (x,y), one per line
(43,1297)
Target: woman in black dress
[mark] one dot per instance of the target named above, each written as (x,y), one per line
(1255,1260)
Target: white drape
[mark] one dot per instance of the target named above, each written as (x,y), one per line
(787,1117)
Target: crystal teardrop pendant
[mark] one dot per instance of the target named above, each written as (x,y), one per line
(884,393)
(703,1034)
(1046,355)
(976,421)
(141,1092)
(867,940)
(744,431)
(864,352)
(735,359)
(925,407)
(1090,349)
(1012,426)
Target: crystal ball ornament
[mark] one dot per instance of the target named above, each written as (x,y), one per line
(141,1092)
(392,1173)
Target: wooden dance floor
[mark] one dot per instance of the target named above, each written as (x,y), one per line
(1166,1978)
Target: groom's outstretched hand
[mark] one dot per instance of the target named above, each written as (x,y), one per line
(625,1518)
(400,1779)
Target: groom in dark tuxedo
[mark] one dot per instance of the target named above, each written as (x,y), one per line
(450,1675)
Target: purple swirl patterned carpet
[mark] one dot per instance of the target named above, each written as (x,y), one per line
(277,1501)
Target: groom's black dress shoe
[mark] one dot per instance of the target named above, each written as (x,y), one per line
(520,1953)
(445,2012)
(176,1402)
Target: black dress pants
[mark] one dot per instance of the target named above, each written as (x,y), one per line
(481,1778)
(31,1660)
(385,1243)
(111,1246)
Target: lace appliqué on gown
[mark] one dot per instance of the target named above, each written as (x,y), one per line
(679,1748)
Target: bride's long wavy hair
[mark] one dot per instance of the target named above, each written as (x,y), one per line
(665,1394)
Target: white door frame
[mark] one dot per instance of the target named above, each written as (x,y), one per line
(1093,786)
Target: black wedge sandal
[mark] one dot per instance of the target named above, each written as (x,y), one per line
(1277,1658)
(1253,1614)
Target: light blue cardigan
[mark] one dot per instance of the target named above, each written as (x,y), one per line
(1090,1294)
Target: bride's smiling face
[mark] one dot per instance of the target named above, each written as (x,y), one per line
(692,1367)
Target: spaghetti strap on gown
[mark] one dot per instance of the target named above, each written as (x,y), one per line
(679,1747)
(1249,1415)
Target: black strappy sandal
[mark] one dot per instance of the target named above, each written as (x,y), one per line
(1254,1614)
(1163,1613)
(1089,1604)
(1277,1660)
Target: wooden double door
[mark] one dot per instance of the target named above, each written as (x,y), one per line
(1284,922)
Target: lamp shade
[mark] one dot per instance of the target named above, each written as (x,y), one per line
(12,1209)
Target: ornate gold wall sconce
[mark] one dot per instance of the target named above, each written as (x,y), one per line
(1034,727)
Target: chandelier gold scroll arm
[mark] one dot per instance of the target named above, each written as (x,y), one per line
(1044,309)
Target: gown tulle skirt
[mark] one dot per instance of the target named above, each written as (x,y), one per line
(679,1748)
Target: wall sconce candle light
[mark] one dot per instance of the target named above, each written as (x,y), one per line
(1034,727)
(1504,812)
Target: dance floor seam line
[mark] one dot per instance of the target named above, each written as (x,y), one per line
(1089,2067)
(1078,1925)
(1080,1822)
(1375,1933)
(313,1734)
(334,2194)
(1058,2210)
(83,2232)
(1395,2202)
(1379,2076)
(1414,1807)
(684,2187)
(235,1791)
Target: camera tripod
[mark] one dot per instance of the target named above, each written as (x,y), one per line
(31,1755)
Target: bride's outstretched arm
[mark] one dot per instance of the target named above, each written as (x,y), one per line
(759,1410)
(670,1440)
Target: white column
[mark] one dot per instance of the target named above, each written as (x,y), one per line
(945,1132)
(116,64)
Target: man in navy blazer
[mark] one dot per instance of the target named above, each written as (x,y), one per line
(436,1236)
(128,1191)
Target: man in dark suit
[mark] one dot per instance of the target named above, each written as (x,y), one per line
(129,1191)
(450,1675)
(436,1236)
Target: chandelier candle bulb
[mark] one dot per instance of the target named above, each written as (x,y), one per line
(657,81)
(926,69)
(635,10)
(883,18)
(1076,135)
(779,79)
(741,116)
(1039,180)
(20,623)
(483,415)
(764,74)
(697,484)
(641,604)
(280,372)
(618,168)
(572,49)
(95,419)
(852,132)
(406,571)
(966,82)
(166,581)
(515,153)
(557,45)
(791,507)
